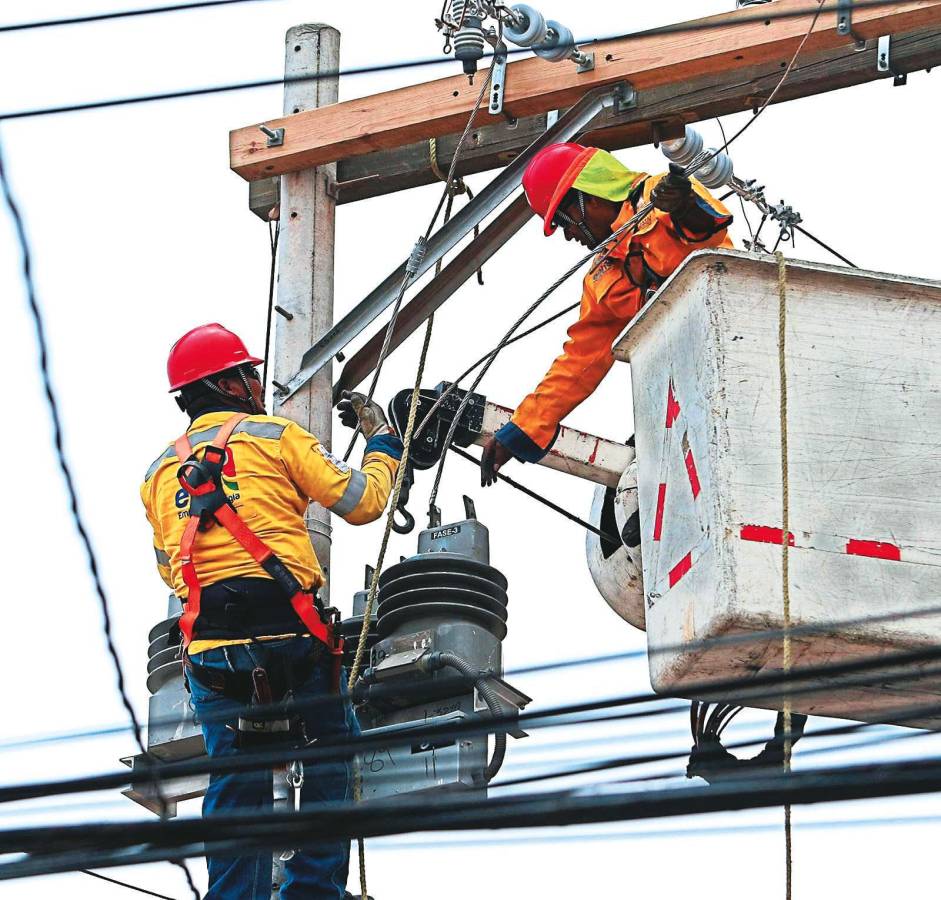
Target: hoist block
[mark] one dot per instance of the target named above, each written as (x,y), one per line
(863,432)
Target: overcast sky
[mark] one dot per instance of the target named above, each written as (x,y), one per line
(140,232)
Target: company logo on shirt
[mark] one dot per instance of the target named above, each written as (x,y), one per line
(229,484)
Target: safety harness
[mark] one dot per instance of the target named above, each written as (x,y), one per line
(209,505)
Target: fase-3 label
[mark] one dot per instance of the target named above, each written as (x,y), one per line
(445,532)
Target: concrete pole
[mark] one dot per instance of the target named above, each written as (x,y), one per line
(305,282)
(305,257)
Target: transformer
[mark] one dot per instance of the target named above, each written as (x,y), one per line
(437,659)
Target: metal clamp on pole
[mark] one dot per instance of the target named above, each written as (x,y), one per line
(844,23)
(498,80)
(884,61)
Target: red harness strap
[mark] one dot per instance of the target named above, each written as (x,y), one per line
(302,602)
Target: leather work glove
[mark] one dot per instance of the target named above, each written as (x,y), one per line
(354,410)
(673,193)
(494,457)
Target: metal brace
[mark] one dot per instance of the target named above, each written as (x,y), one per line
(884,61)
(623,97)
(275,135)
(498,79)
(844,23)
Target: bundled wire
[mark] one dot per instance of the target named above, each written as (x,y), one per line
(66,471)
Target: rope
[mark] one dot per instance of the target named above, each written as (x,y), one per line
(418,253)
(374,584)
(447,200)
(785,533)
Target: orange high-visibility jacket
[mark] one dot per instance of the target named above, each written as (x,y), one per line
(273,469)
(612,294)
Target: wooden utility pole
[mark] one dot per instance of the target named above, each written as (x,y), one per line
(305,255)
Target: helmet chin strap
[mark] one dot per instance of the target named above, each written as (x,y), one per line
(582,225)
(250,399)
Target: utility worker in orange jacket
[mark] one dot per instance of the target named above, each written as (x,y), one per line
(589,194)
(237,553)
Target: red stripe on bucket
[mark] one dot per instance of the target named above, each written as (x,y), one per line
(658,521)
(681,568)
(693,475)
(876,549)
(765,534)
(673,408)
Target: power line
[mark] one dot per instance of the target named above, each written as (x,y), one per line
(879,665)
(100,842)
(64,468)
(732,640)
(709,831)
(124,884)
(679,28)
(123,14)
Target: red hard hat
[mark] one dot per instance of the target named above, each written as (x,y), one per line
(549,176)
(205,351)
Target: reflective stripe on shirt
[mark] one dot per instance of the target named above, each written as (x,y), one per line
(353,493)
(270,430)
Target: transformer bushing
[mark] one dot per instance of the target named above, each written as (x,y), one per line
(437,659)
(172,732)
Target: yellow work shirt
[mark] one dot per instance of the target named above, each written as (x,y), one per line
(273,470)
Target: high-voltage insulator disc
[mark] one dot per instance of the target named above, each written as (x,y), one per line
(531,30)
(422,596)
(163,657)
(161,675)
(444,580)
(451,562)
(161,628)
(452,611)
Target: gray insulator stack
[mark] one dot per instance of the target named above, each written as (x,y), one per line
(469,38)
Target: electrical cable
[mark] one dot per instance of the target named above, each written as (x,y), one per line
(446,196)
(732,641)
(529,492)
(123,14)
(124,884)
(686,833)
(65,469)
(450,813)
(610,242)
(761,686)
(679,28)
(409,276)
(274,233)
(826,247)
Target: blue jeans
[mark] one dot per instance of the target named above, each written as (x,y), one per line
(316,872)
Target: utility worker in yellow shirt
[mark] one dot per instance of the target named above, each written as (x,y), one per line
(226,502)
(589,194)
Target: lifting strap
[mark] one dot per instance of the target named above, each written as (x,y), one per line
(202,480)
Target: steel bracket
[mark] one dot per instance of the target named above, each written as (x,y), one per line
(844,23)
(623,97)
(585,63)
(498,80)
(884,61)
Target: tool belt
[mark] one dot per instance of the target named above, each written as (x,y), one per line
(266,693)
(210,507)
